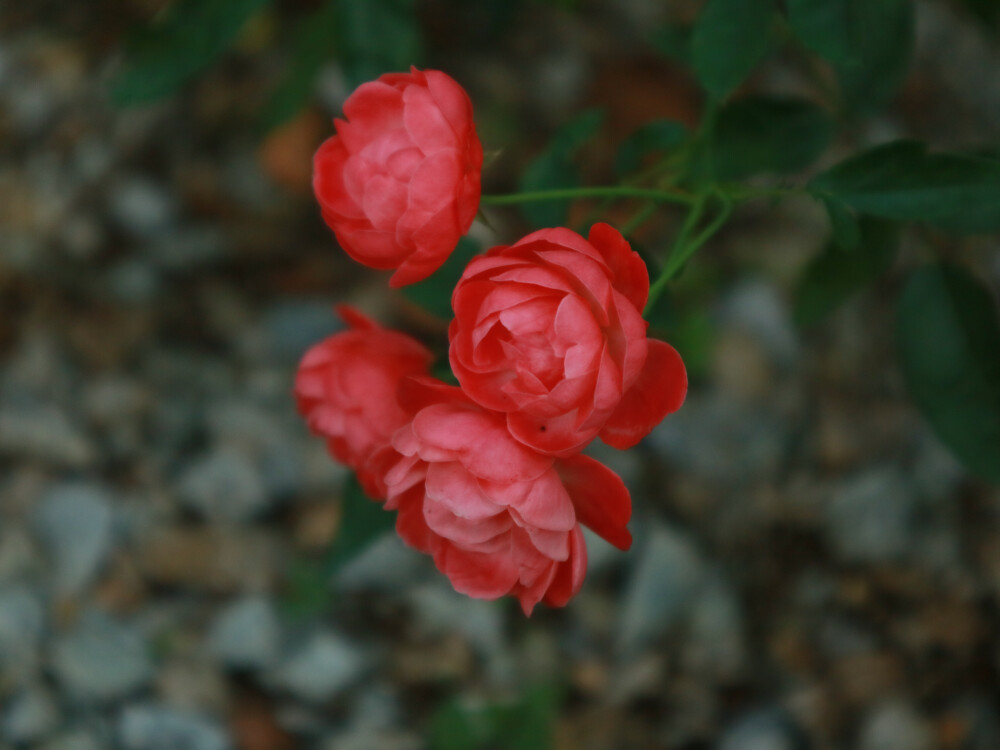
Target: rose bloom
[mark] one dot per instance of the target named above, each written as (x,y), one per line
(346,390)
(400,182)
(498,517)
(550,332)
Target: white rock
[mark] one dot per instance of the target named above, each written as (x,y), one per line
(247,634)
(74,523)
(101,659)
(323,666)
(156,727)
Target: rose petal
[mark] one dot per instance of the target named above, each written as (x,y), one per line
(570,574)
(631,277)
(601,500)
(481,576)
(659,390)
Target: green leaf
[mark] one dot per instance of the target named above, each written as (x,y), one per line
(674,42)
(843,223)
(434,293)
(824,26)
(306,593)
(554,169)
(658,136)
(869,43)
(311,47)
(987,11)
(882,37)
(190,36)
(833,277)
(378,36)
(902,181)
(768,134)
(525,724)
(362,521)
(948,336)
(730,38)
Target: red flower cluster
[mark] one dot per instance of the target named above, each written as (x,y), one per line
(548,345)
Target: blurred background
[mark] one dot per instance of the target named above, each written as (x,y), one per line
(180,564)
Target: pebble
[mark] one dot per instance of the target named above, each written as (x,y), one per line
(22,626)
(141,206)
(386,565)
(74,739)
(723,440)
(246,634)
(324,665)
(871,517)
(29,716)
(158,727)
(669,572)
(224,486)
(270,437)
(45,433)
(716,648)
(101,659)
(756,307)
(186,249)
(763,729)
(74,523)
(895,725)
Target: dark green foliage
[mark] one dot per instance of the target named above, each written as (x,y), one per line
(768,134)
(313,43)
(434,293)
(835,276)
(554,168)
(730,37)
(948,336)
(362,521)
(190,36)
(902,181)
(868,42)
(843,224)
(525,724)
(376,37)
(653,137)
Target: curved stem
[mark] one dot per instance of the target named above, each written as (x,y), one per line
(613,191)
(683,248)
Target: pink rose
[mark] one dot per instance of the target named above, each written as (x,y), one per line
(346,390)
(399,184)
(498,517)
(550,332)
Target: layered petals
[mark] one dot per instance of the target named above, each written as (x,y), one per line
(400,182)
(346,388)
(549,331)
(497,517)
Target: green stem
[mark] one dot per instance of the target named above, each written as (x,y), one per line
(615,191)
(683,249)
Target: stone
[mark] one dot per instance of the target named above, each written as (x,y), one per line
(246,634)
(764,729)
(44,432)
(669,573)
(158,727)
(871,517)
(74,523)
(324,665)
(101,659)
(22,624)
(755,307)
(896,725)
(141,206)
(29,716)
(224,486)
